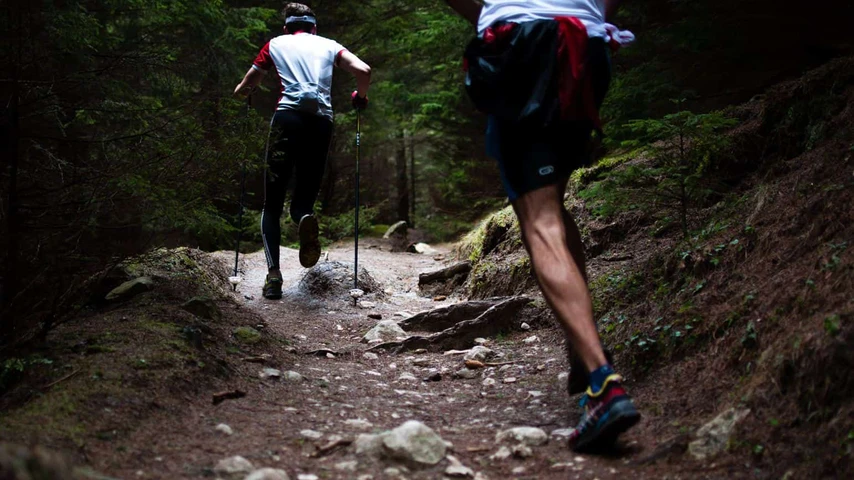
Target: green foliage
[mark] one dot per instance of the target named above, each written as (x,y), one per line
(676,179)
(12,369)
(832,325)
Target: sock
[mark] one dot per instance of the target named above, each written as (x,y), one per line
(598,377)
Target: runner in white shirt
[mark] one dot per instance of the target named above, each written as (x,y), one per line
(540,69)
(301,129)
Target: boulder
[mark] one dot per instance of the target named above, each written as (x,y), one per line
(386,331)
(398,228)
(268,474)
(479,353)
(414,444)
(233,467)
(247,335)
(713,437)
(130,289)
(203,307)
(525,435)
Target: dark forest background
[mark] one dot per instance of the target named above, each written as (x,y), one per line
(120,134)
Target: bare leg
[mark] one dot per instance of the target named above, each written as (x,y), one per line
(547,237)
(576,245)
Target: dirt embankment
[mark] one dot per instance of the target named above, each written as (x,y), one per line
(751,315)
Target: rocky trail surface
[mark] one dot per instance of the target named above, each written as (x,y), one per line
(321,402)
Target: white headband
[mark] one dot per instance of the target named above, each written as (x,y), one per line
(303,19)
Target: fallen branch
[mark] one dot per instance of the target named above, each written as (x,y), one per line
(329,447)
(495,320)
(259,359)
(444,281)
(476,365)
(462,268)
(617,258)
(61,379)
(223,396)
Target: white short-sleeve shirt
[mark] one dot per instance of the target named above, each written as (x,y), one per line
(590,12)
(304,63)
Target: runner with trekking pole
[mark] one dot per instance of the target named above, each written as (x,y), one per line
(540,70)
(235,278)
(300,130)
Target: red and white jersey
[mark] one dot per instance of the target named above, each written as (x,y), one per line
(304,63)
(591,13)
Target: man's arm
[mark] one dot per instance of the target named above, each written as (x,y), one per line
(468,9)
(359,69)
(611,8)
(251,80)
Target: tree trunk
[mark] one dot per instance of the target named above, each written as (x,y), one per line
(412,179)
(9,279)
(402,180)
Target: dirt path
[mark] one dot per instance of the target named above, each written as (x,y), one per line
(347,394)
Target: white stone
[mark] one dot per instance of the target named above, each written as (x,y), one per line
(370,356)
(525,326)
(232,466)
(522,451)
(713,437)
(384,331)
(479,353)
(503,453)
(488,382)
(421,362)
(459,471)
(532,339)
(367,305)
(349,466)
(359,423)
(519,470)
(414,443)
(425,249)
(527,435)
(311,434)
(368,445)
(268,474)
(562,433)
(510,380)
(356,293)
(307,476)
(563,377)
(466,373)
(293,377)
(480,476)
(403,314)
(407,377)
(224,429)
(480,341)
(270,373)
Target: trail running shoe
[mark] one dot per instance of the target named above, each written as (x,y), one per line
(607,414)
(309,241)
(273,288)
(579,378)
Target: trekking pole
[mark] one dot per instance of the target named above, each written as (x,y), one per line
(358,153)
(235,279)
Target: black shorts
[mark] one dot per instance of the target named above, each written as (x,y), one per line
(532,157)
(297,148)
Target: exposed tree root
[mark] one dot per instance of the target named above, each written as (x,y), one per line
(441,318)
(496,319)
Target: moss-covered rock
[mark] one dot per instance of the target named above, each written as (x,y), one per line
(130,289)
(247,335)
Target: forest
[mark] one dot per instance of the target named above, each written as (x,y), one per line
(717,207)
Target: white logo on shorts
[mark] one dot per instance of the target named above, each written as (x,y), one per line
(547,170)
